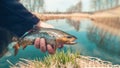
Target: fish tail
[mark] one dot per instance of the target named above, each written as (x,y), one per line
(16,48)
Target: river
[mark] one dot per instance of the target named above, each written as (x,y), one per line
(92,41)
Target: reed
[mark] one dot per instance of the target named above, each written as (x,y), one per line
(64,60)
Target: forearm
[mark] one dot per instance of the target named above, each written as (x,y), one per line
(16,17)
(5,39)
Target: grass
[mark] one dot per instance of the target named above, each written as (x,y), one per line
(64,60)
(61,59)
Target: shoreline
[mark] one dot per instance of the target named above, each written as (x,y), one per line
(81,62)
(64,60)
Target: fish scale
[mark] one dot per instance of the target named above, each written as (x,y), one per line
(52,36)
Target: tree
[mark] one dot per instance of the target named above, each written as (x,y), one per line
(98,5)
(33,5)
(75,8)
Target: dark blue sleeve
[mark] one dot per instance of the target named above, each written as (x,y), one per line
(15,17)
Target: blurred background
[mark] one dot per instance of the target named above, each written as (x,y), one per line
(99,37)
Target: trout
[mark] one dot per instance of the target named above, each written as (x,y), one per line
(52,36)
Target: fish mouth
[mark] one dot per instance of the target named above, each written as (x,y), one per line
(71,42)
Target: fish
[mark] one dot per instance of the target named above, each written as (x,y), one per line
(52,36)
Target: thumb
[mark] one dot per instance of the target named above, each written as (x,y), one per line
(44,25)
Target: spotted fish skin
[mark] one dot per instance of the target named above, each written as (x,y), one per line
(52,36)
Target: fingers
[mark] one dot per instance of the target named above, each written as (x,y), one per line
(60,46)
(42,45)
(37,43)
(50,49)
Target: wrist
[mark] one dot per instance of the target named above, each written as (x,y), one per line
(43,25)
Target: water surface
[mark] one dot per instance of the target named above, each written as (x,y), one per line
(92,41)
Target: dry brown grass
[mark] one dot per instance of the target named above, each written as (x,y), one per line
(70,61)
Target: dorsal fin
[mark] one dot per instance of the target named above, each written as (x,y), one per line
(29,32)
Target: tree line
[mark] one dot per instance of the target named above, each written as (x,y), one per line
(98,5)
(33,5)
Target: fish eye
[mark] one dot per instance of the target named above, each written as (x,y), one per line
(69,37)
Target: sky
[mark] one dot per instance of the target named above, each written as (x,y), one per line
(62,5)
(86,5)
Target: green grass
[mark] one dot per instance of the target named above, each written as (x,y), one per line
(63,60)
(59,60)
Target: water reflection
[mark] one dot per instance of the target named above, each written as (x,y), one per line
(112,22)
(104,39)
(105,36)
(74,23)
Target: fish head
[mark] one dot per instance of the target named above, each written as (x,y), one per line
(67,39)
(62,37)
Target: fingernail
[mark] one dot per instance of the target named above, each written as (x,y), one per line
(50,49)
(42,45)
(37,42)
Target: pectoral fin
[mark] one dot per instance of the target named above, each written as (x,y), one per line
(16,48)
(24,46)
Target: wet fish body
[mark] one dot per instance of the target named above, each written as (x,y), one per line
(52,36)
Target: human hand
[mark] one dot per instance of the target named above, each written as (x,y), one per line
(44,25)
(41,44)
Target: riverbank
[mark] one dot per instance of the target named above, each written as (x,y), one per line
(109,15)
(65,60)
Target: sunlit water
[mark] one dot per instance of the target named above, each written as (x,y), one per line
(90,43)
